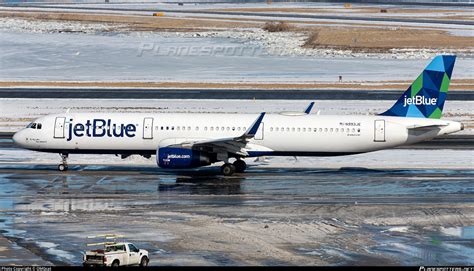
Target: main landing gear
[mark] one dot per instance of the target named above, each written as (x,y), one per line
(229,169)
(63,165)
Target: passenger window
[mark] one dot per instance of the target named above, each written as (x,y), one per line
(177,128)
(161,127)
(233,128)
(189,128)
(238,128)
(331,130)
(326,130)
(197,128)
(293,129)
(315,129)
(337,130)
(212,128)
(132,248)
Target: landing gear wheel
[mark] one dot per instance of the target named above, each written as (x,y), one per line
(62,167)
(240,166)
(228,169)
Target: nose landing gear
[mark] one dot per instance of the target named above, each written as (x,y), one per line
(63,165)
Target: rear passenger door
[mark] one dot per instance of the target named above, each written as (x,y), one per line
(379,131)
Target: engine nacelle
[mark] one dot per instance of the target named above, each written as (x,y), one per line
(169,157)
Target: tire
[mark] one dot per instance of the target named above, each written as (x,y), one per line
(62,167)
(240,166)
(144,261)
(228,169)
(115,263)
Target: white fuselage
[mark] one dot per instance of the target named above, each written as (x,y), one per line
(279,134)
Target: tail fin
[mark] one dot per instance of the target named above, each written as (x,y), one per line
(426,95)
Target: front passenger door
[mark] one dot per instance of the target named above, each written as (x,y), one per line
(133,256)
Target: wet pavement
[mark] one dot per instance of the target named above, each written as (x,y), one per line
(266,216)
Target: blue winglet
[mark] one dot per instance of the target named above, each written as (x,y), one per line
(309,108)
(254,128)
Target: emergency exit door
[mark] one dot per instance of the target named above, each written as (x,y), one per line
(379,131)
(148,128)
(59,124)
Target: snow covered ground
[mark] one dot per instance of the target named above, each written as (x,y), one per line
(254,40)
(28,56)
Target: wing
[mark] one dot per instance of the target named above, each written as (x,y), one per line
(234,145)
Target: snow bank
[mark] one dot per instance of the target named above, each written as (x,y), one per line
(49,26)
(290,44)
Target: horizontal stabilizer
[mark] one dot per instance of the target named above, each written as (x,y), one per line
(433,126)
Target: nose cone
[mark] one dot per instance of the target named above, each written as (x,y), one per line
(15,137)
(18,138)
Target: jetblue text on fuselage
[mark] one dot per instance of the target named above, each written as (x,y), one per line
(419,100)
(100,128)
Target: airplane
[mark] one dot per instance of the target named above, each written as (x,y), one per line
(191,140)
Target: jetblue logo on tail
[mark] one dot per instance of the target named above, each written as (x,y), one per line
(426,95)
(419,100)
(100,128)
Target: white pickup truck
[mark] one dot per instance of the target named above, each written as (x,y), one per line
(116,254)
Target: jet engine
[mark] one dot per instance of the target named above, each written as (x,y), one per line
(171,157)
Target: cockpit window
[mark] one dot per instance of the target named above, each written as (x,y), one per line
(34,125)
